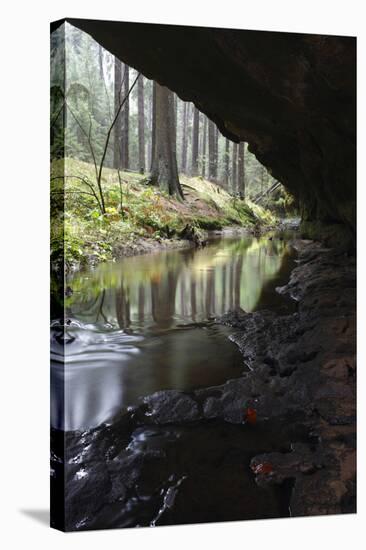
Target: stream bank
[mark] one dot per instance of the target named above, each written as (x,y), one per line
(304,363)
(191,237)
(277,441)
(139,218)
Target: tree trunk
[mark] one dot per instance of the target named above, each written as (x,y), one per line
(204,146)
(141,303)
(216,154)
(241,184)
(163,297)
(262,179)
(237,287)
(175,107)
(195,134)
(212,167)
(123,312)
(125,119)
(117,101)
(164,166)
(223,289)
(234,178)
(226,164)
(184,139)
(153,125)
(141,117)
(193,299)
(210,294)
(100,60)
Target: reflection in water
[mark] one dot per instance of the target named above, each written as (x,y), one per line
(142,325)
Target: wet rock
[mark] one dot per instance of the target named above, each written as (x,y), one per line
(87,490)
(126,468)
(285,465)
(229,401)
(193,234)
(311,360)
(301,373)
(171,406)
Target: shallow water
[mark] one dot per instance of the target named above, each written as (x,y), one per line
(146,324)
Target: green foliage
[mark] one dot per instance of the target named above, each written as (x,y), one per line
(82,234)
(82,229)
(281,203)
(208,223)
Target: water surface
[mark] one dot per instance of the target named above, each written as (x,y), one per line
(146,323)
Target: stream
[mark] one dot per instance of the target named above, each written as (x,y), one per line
(146,324)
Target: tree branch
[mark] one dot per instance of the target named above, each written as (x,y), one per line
(112,125)
(86,182)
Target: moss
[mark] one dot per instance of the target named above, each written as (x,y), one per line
(145,211)
(208,223)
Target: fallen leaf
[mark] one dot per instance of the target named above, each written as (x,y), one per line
(251,415)
(262,468)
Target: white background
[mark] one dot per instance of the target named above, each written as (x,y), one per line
(24,300)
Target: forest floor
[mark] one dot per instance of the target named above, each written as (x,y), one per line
(139,218)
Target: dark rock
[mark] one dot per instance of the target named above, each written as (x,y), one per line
(301,379)
(171,406)
(192,234)
(87,490)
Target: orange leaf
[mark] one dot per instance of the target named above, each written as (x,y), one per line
(251,415)
(263,468)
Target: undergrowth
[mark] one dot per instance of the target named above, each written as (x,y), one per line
(134,211)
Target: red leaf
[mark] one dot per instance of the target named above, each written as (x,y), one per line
(251,415)
(263,468)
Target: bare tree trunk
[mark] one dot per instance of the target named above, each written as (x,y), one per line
(100,60)
(164,170)
(223,289)
(153,124)
(141,304)
(226,164)
(204,146)
(123,308)
(262,179)
(216,154)
(212,166)
(241,185)
(237,287)
(195,134)
(210,294)
(184,139)
(234,177)
(163,297)
(125,119)
(193,299)
(117,101)
(175,106)
(141,117)
(231,284)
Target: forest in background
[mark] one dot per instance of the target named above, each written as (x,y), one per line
(132,160)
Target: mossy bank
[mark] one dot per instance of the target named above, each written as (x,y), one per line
(139,218)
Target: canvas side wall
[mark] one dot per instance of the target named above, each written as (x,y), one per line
(57,287)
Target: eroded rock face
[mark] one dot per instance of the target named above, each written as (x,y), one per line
(290,96)
(310,357)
